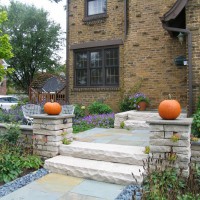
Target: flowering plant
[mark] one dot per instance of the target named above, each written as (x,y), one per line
(137,98)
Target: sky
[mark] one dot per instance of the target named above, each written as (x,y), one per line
(56,13)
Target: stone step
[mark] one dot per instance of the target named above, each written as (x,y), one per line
(136,125)
(97,170)
(105,152)
(139,118)
(147,115)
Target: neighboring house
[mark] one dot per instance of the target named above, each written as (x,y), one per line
(114,44)
(3,87)
(46,87)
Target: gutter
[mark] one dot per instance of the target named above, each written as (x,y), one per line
(67,53)
(189,35)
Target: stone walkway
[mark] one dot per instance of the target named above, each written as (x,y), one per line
(61,187)
(115,136)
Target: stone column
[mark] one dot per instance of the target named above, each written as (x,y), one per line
(49,132)
(162,144)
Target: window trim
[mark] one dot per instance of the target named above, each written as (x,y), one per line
(95,16)
(88,70)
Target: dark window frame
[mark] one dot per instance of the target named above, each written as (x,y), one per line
(104,66)
(95,16)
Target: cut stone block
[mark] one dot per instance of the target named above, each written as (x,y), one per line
(105,152)
(183,135)
(195,159)
(181,150)
(96,170)
(177,128)
(54,138)
(47,154)
(160,149)
(157,135)
(168,142)
(156,127)
(135,124)
(46,132)
(195,153)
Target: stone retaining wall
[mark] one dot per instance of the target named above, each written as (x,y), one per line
(134,119)
(27,133)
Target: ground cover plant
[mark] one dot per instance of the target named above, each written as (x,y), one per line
(15,157)
(92,121)
(99,115)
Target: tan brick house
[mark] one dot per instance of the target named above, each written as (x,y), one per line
(115,45)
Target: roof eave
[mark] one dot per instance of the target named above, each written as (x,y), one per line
(174,11)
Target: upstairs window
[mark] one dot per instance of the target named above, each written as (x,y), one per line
(98,67)
(96,7)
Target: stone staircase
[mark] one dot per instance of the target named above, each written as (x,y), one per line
(137,119)
(102,162)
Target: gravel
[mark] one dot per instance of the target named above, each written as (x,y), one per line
(22,181)
(128,192)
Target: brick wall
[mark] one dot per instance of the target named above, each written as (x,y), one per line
(193,24)
(148,52)
(81,32)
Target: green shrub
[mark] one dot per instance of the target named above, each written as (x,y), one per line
(15,157)
(196,124)
(10,164)
(79,111)
(99,108)
(11,134)
(125,105)
(30,161)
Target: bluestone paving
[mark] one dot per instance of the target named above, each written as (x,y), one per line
(98,189)
(61,187)
(115,136)
(74,196)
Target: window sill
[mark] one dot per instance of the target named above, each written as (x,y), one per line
(95,19)
(95,89)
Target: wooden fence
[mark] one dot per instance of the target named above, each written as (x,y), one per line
(41,98)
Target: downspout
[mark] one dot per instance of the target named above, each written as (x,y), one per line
(189,34)
(125,18)
(67,53)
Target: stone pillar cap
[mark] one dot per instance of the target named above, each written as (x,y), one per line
(45,116)
(179,121)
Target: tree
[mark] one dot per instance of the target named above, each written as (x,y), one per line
(5,47)
(35,41)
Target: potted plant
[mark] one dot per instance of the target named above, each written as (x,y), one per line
(139,101)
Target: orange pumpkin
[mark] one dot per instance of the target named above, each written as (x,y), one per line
(169,109)
(52,108)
